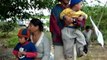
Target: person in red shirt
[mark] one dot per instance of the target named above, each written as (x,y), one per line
(56,26)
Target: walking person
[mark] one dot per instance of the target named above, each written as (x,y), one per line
(55,28)
(87,33)
(71,32)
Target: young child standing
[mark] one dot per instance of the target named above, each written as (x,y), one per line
(24,50)
(70,33)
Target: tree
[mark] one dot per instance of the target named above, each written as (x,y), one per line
(98,14)
(15,8)
(9,8)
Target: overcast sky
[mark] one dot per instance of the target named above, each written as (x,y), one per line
(93,2)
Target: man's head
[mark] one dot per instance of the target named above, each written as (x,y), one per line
(64,1)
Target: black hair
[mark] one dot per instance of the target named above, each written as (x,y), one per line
(87,27)
(59,0)
(37,22)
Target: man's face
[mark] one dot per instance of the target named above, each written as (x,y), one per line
(65,1)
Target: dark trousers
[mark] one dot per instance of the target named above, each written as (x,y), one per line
(86,48)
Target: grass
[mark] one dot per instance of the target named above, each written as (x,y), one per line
(11,40)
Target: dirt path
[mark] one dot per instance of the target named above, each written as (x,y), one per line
(96,52)
(6,54)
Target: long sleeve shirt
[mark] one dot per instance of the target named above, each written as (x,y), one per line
(29,48)
(43,47)
(72,14)
(56,24)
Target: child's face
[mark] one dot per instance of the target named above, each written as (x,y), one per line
(22,40)
(79,6)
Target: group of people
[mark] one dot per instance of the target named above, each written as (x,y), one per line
(33,44)
(66,21)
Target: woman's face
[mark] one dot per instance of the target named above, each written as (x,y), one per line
(33,28)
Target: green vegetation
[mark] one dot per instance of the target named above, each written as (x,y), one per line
(7,27)
(10,40)
(98,14)
(14,9)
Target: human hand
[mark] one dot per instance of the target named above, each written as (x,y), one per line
(23,53)
(68,20)
(19,54)
(80,18)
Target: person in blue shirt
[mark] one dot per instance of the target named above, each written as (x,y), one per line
(24,50)
(56,25)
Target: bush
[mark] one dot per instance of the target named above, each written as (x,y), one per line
(12,41)
(7,27)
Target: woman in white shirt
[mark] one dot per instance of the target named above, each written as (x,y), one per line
(39,39)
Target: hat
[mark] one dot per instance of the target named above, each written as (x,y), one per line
(74,2)
(24,33)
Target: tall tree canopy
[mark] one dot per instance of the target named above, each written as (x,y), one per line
(9,8)
(16,8)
